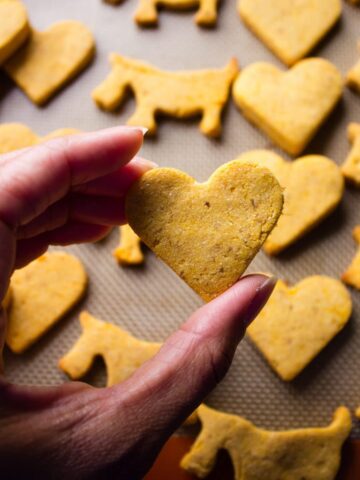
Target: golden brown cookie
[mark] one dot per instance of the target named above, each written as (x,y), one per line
(353,76)
(352,274)
(177,94)
(7,300)
(291,30)
(14,28)
(50,59)
(257,454)
(288,106)
(123,354)
(313,187)
(129,250)
(14,136)
(42,293)
(147,13)
(351,166)
(60,132)
(207,233)
(298,322)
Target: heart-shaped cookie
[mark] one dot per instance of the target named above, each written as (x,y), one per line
(313,187)
(14,27)
(42,292)
(50,59)
(289,106)
(207,233)
(297,322)
(14,136)
(290,29)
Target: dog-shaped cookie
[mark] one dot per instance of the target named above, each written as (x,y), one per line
(178,94)
(257,454)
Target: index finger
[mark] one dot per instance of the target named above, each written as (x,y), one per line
(37,177)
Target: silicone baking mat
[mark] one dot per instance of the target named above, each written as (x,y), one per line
(152,301)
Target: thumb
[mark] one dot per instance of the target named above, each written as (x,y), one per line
(165,390)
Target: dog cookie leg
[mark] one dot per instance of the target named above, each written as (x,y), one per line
(146,13)
(211,121)
(110,93)
(78,361)
(144,116)
(207,13)
(128,251)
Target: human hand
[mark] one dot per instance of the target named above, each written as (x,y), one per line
(72,190)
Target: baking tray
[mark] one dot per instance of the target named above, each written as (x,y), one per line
(151,301)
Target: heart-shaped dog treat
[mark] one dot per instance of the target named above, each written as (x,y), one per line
(297,322)
(313,187)
(50,59)
(289,106)
(14,27)
(290,29)
(42,292)
(14,136)
(207,233)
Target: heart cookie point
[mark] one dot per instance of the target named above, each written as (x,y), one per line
(288,106)
(299,321)
(207,233)
(290,30)
(313,187)
(51,59)
(43,292)
(14,28)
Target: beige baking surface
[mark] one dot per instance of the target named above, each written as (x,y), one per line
(151,301)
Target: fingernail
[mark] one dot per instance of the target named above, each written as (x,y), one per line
(143,130)
(145,163)
(261,296)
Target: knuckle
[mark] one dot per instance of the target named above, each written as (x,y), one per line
(219,360)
